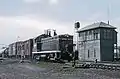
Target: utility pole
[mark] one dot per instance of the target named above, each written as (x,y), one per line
(77,26)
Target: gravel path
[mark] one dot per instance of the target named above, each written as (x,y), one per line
(14,70)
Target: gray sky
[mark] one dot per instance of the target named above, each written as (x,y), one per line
(29,18)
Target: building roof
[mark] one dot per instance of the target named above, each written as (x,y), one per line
(97,25)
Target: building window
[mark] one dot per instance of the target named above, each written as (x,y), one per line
(86,33)
(105,33)
(79,34)
(94,53)
(96,36)
(88,53)
(95,33)
(111,34)
(90,32)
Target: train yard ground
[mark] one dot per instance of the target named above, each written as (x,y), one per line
(13,69)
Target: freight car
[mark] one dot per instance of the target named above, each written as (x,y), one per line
(21,48)
(18,49)
(27,47)
(12,50)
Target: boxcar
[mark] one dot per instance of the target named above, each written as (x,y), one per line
(27,48)
(12,50)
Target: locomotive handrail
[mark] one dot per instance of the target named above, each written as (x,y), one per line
(42,52)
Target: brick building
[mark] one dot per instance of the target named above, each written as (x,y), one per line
(97,41)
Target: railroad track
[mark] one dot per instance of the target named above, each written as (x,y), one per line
(99,66)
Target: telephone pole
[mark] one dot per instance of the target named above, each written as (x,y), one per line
(77,26)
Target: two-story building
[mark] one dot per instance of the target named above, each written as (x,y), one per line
(97,41)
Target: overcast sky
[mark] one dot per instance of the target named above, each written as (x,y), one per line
(29,18)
